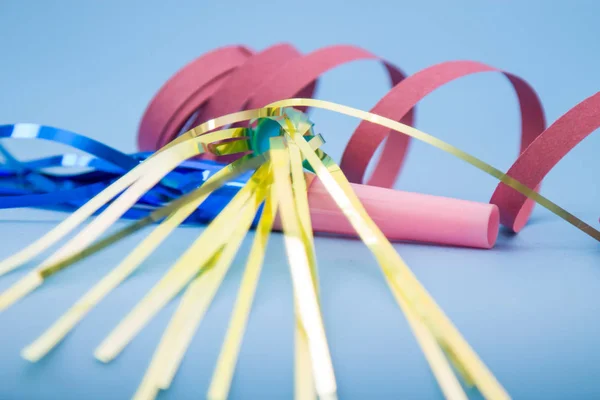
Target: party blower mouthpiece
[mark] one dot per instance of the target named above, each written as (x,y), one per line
(407,216)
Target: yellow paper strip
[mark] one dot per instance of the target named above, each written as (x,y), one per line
(441,368)
(434,353)
(182,207)
(94,204)
(300,197)
(205,294)
(225,367)
(303,374)
(401,280)
(304,289)
(180,274)
(160,165)
(193,306)
(228,172)
(304,384)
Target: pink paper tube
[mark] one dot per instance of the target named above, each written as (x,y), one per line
(406,216)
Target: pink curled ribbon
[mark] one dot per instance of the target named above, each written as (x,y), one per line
(235,78)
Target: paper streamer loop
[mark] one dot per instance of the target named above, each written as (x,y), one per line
(280,72)
(544,153)
(405,96)
(185,92)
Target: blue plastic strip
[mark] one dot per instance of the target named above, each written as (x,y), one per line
(64,182)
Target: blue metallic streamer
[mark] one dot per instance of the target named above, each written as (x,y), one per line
(67,181)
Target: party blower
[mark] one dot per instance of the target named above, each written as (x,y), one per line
(278,176)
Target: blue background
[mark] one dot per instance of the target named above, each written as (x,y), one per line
(529,306)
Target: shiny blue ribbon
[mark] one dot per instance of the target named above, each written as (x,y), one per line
(66,181)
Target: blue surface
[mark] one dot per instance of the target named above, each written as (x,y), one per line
(529,306)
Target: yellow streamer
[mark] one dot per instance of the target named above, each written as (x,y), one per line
(161,164)
(441,368)
(304,383)
(304,289)
(223,373)
(194,305)
(438,362)
(182,210)
(401,280)
(243,222)
(94,204)
(179,275)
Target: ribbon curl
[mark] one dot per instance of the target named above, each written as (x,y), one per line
(289,76)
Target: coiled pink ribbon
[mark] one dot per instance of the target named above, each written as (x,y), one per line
(234,78)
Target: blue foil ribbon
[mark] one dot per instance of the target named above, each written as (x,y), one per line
(65,182)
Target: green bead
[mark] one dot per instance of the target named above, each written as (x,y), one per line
(263,129)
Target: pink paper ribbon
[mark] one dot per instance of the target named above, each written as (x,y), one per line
(234,78)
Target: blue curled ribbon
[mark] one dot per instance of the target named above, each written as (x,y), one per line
(66,181)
